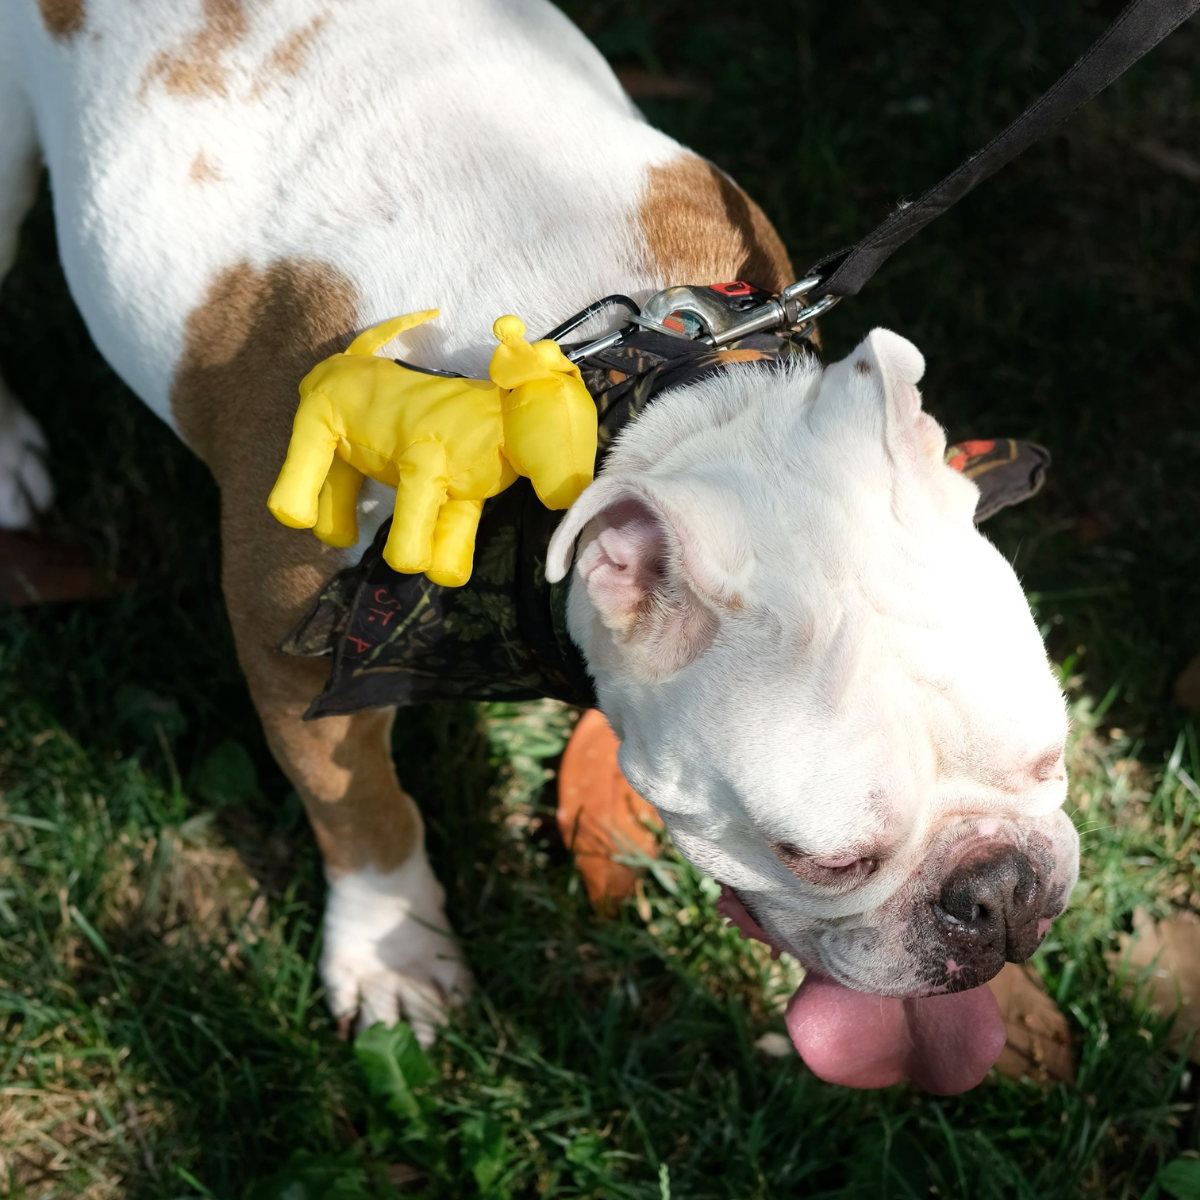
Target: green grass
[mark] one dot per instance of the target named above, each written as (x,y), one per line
(164,1032)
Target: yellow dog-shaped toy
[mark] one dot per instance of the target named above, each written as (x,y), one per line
(445,444)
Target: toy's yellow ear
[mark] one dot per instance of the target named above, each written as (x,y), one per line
(508,330)
(515,362)
(371,339)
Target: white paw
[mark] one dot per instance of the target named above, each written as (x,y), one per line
(389,951)
(25,487)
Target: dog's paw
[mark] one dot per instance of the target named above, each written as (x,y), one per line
(25,487)
(389,952)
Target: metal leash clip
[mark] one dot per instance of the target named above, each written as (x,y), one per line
(714,316)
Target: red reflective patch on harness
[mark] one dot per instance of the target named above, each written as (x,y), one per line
(736,288)
(967,451)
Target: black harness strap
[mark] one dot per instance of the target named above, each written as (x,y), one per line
(1140,26)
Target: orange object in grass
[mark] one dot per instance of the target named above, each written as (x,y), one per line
(600,815)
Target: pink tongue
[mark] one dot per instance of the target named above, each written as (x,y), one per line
(944,1044)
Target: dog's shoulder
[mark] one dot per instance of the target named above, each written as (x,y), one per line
(700,226)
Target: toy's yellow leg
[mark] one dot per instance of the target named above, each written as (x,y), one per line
(454,542)
(337,505)
(420,494)
(293,499)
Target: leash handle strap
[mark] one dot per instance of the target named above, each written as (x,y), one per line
(1139,27)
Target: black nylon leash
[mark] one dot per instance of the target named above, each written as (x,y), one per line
(1139,27)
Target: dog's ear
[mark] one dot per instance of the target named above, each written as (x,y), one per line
(661,563)
(894,365)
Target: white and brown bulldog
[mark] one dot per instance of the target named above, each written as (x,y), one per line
(826,680)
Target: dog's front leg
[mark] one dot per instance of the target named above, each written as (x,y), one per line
(25,486)
(388,948)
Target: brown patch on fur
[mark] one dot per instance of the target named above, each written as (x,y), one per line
(257,332)
(735,603)
(863,367)
(246,347)
(62,18)
(287,58)
(701,228)
(202,170)
(194,68)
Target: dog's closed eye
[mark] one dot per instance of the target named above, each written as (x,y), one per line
(838,871)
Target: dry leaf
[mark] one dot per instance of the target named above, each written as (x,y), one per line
(600,815)
(1169,158)
(1170,951)
(1038,1044)
(1186,692)
(33,571)
(775,1045)
(641,84)
(401,1175)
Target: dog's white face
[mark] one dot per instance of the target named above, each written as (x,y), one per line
(826,680)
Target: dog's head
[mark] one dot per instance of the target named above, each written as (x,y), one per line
(825,678)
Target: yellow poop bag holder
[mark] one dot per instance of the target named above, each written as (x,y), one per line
(444,443)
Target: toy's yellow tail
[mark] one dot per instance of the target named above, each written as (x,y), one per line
(371,339)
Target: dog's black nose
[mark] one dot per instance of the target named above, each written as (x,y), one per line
(990,907)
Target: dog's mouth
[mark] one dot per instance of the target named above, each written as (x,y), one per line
(944,1044)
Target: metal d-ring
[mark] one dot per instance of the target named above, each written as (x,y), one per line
(560,331)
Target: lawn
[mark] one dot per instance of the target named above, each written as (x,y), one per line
(163,1028)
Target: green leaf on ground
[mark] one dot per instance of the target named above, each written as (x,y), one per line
(395,1067)
(1181,1179)
(227,775)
